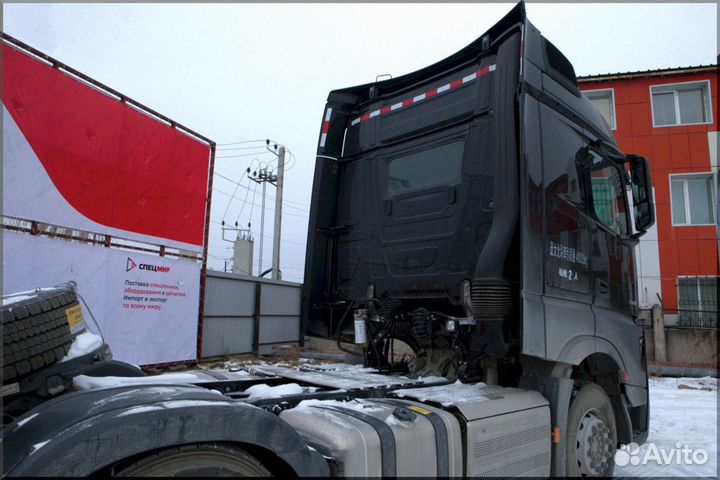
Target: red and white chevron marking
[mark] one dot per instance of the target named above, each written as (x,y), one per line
(325,127)
(461,82)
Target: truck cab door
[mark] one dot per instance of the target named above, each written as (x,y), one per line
(613,276)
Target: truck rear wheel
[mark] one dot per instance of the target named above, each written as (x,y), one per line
(592,434)
(199,460)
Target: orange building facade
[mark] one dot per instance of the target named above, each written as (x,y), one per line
(670,117)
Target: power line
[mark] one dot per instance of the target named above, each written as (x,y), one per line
(252,203)
(242,155)
(241,142)
(265,236)
(237,185)
(269,196)
(247,187)
(242,148)
(256,205)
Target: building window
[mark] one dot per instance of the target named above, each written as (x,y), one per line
(608,195)
(693,199)
(698,301)
(604,101)
(681,104)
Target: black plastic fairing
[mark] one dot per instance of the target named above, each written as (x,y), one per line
(418,243)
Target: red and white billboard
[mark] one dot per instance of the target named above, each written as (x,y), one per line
(76,157)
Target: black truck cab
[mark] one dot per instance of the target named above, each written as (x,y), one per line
(480,212)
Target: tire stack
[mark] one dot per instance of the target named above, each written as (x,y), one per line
(35,332)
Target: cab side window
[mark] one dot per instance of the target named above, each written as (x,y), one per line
(608,194)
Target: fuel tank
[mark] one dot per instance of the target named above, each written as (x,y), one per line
(460,429)
(381,437)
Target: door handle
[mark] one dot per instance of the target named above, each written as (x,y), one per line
(388,206)
(603,288)
(452,195)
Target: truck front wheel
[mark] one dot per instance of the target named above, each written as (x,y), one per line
(592,434)
(199,460)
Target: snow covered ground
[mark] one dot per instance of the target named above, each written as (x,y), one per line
(683,414)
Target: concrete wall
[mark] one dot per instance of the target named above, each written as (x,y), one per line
(686,346)
(235,322)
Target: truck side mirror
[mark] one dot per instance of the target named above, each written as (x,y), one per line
(643,212)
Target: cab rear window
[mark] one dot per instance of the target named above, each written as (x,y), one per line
(433,166)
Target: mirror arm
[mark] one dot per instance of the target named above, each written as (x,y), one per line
(634,239)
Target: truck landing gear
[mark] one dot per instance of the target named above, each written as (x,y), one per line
(592,434)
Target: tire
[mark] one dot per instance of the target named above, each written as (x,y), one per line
(198,460)
(591,434)
(35,332)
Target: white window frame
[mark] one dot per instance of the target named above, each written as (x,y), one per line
(687,198)
(677,102)
(613,124)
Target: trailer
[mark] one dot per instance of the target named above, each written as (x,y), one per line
(471,240)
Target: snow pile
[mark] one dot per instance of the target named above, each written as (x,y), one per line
(708,384)
(142,409)
(351,405)
(82,345)
(9,300)
(451,394)
(266,391)
(339,367)
(38,446)
(169,404)
(340,376)
(683,411)
(25,420)
(198,377)
(84,382)
(24,295)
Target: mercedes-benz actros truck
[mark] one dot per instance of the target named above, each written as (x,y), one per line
(471,239)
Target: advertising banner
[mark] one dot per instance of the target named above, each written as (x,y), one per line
(76,157)
(146,306)
(81,156)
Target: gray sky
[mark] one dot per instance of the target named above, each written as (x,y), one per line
(236,72)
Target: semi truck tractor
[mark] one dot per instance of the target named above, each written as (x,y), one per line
(471,239)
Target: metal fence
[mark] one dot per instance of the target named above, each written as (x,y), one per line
(245,314)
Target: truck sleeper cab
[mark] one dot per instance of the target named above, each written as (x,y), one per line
(476,213)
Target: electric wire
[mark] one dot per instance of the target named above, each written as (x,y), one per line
(215,189)
(241,148)
(252,203)
(237,185)
(271,197)
(241,142)
(242,155)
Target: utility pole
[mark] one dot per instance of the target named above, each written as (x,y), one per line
(278,215)
(263,176)
(262,230)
